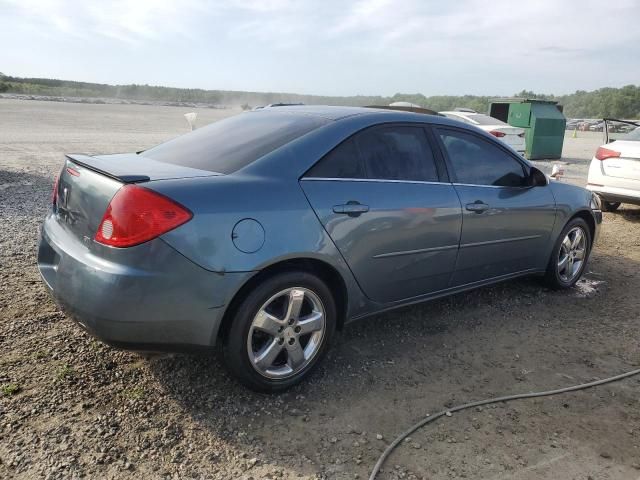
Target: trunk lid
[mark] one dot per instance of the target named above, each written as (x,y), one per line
(88,183)
(511,135)
(627,165)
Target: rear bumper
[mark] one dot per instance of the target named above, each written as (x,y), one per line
(615,194)
(146,297)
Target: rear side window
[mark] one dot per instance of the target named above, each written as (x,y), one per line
(233,143)
(481,119)
(476,161)
(397,153)
(383,153)
(633,135)
(459,118)
(341,162)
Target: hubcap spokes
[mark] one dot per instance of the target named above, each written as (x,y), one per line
(286,333)
(572,254)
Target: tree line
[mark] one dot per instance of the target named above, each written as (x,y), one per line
(621,102)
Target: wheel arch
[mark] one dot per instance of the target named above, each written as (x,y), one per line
(325,271)
(588,218)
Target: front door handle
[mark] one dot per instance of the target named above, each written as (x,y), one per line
(351,208)
(477,206)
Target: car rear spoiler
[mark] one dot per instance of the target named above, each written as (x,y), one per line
(95,164)
(134,168)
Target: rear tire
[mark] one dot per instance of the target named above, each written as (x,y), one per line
(569,256)
(280,332)
(610,206)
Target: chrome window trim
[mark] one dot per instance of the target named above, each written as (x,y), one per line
(455,184)
(412,252)
(377,180)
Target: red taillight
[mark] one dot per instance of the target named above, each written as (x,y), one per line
(54,193)
(497,133)
(604,153)
(136,215)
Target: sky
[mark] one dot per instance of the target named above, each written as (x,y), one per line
(328,47)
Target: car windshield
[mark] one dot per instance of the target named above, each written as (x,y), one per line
(481,119)
(233,143)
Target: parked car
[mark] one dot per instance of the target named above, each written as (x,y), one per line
(266,232)
(512,136)
(585,125)
(572,124)
(614,172)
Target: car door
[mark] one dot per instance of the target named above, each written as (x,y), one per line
(383,197)
(506,223)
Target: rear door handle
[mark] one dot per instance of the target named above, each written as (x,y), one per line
(352,208)
(477,207)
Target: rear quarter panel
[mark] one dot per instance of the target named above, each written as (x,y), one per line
(291,228)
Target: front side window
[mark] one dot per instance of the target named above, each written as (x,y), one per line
(381,153)
(476,161)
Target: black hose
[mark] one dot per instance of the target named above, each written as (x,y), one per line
(448,412)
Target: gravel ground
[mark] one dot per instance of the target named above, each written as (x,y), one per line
(71,407)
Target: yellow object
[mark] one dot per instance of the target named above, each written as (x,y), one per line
(575,133)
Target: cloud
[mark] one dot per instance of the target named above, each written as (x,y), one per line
(126,21)
(377,46)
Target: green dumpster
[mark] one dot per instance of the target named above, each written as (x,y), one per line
(542,120)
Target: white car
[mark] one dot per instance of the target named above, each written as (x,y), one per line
(512,136)
(614,173)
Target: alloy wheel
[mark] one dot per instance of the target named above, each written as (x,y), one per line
(572,255)
(286,333)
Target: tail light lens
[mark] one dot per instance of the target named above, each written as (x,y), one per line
(136,215)
(604,153)
(497,133)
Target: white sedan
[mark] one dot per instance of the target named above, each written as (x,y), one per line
(512,136)
(614,173)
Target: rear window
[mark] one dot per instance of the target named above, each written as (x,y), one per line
(233,143)
(633,135)
(481,119)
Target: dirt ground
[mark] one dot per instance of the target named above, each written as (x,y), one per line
(71,407)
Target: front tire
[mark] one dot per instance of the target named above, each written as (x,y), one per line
(569,256)
(280,332)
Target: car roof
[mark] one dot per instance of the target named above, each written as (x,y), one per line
(461,113)
(325,111)
(336,113)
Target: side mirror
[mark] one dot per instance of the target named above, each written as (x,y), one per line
(537,178)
